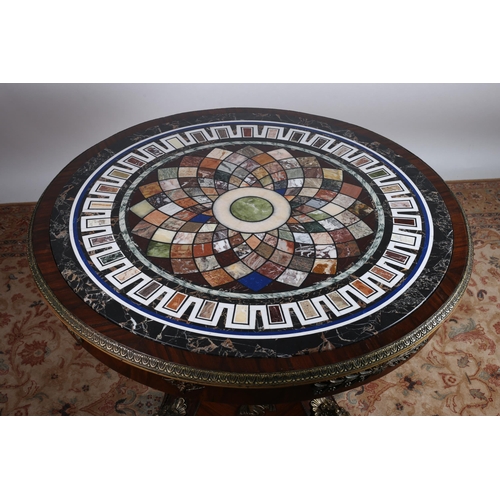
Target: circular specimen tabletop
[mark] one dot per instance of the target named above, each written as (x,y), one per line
(250,255)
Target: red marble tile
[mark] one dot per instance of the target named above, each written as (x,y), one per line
(387,275)
(351,190)
(341,235)
(181,251)
(202,250)
(325,194)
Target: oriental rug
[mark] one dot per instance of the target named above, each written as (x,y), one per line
(44,371)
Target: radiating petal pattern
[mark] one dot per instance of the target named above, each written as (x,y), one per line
(318,221)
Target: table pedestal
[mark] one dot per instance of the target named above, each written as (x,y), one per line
(326,406)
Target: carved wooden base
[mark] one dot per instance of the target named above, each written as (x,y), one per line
(326,406)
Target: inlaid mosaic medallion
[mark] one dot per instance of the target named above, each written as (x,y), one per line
(251,235)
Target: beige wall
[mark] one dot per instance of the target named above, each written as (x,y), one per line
(455,128)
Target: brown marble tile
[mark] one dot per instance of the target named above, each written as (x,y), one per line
(203,238)
(207,310)
(325,266)
(202,250)
(264,250)
(325,194)
(254,261)
(271,270)
(260,173)
(205,173)
(186,202)
(360,209)
(176,301)
(217,277)
(308,162)
(181,251)
(156,217)
(173,224)
(383,273)
(207,263)
(227,258)
(150,189)
(184,266)
(363,287)
(144,230)
(274,167)
(238,270)
(347,249)
(301,264)
(210,163)
(177,194)
(275,315)
(271,240)
(281,258)
(235,240)
(263,159)
(191,161)
(253,241)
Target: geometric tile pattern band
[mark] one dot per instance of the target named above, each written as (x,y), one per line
(245,230)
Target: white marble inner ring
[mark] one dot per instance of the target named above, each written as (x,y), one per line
(281,210)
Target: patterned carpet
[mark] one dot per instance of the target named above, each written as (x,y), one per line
(43,371)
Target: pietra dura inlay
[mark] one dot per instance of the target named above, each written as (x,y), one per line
(259,233)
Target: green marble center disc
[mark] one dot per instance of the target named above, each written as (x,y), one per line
(251,209)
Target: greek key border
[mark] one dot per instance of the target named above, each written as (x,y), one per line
(377,358)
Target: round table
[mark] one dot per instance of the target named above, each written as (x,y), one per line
(250,261)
